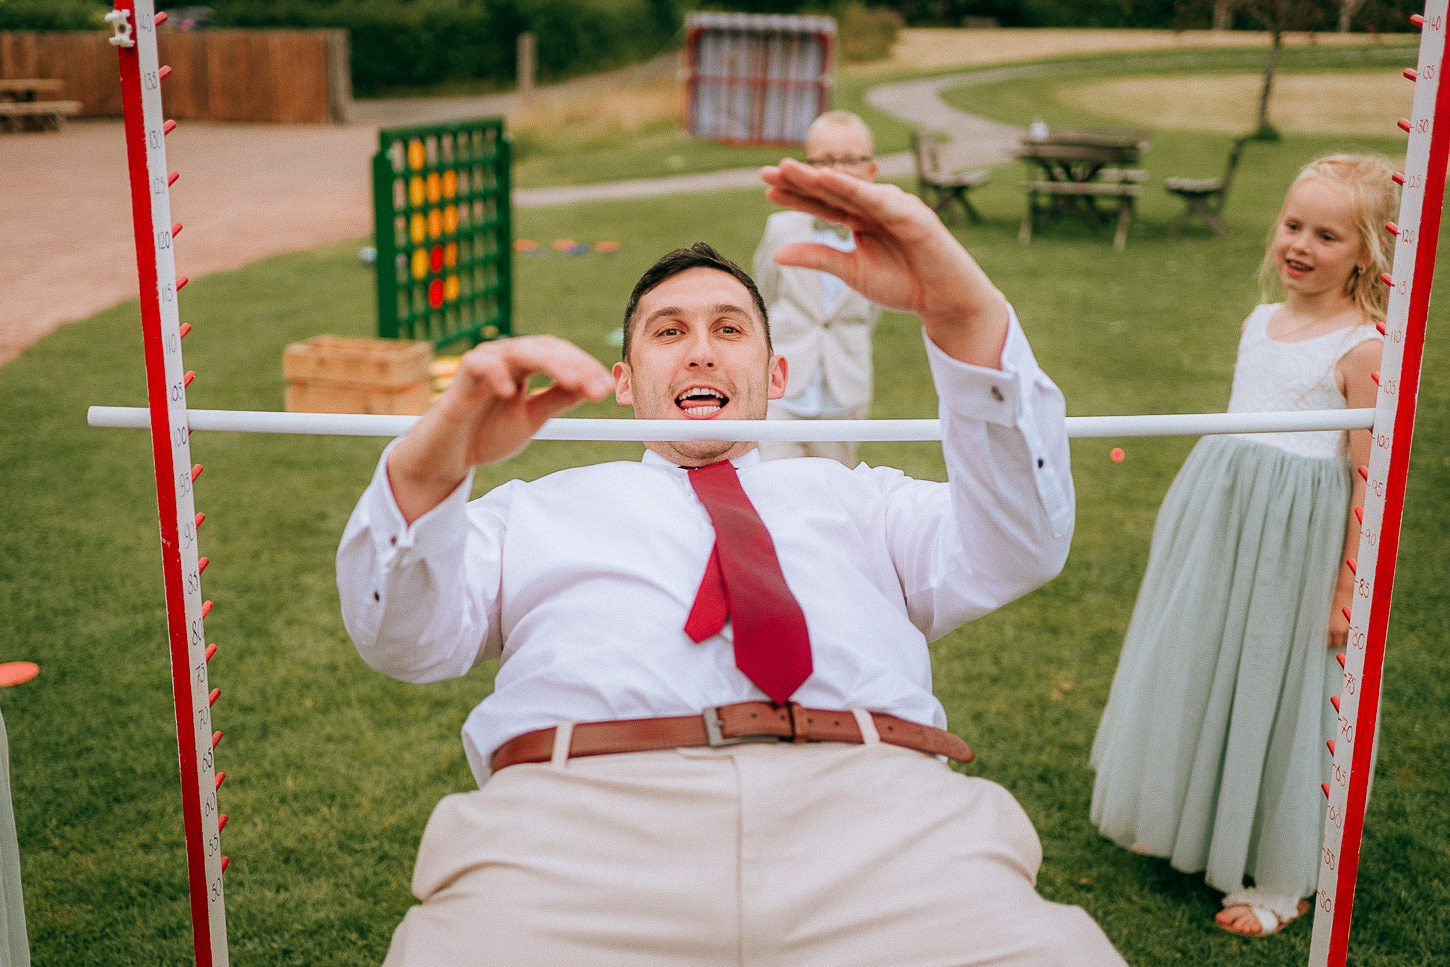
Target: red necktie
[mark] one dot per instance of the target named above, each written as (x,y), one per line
(743,579)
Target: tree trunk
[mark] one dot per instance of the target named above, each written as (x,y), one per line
(1223,14)
(1347,10)
(1265,129)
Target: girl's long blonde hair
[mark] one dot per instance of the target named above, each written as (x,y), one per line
(1374,199)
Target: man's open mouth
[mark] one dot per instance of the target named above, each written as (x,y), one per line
(701,402)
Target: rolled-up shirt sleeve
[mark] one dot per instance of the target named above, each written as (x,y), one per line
(408,601)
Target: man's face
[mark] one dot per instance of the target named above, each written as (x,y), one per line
(698,352)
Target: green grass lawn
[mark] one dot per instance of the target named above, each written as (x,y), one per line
(333,769)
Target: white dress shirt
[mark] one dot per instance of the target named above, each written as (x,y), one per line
(580,582)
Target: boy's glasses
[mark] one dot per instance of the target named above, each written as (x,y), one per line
(857,159)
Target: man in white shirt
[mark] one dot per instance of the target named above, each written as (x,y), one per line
(618,821)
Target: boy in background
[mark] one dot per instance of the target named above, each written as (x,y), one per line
(822,327)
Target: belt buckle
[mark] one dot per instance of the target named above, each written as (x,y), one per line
(714,739)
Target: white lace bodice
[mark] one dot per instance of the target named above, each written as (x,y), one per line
(1272,375)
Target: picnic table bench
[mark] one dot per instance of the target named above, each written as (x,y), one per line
(1078,167)
(938,186)
(28,103)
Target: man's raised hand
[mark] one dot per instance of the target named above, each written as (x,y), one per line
(488,414)
(905,258)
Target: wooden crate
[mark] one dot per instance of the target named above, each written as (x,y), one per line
(339,374)
(310,398)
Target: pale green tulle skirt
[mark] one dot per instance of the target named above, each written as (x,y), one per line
(1211,750)
(14,949)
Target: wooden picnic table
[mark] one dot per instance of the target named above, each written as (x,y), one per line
(28,103)
(1074,167)
(28,88)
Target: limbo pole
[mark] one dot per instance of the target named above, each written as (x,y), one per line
(134,23)
(860,431)
(1417,232)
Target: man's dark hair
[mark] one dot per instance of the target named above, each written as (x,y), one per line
(699,255)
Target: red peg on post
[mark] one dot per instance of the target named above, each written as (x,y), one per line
(1392,228)
(216,693)
(187,379)
(1387,279)
(1374,374)
(1340,657)
(1417,19)
(221,777)
(181,281)
(165,70)
(1353,566)
(161,17)
(196,472)
(1398,179)
(1334,700)
(210,650)
(1325,787)
(201,564)
(221,822)
(168,127)
(1411,74)
(1330,743)
(184,328)
(171,177)
(205,608)
(199,519)
(1347,616)
(1364,472)
(1359,514)
(226,861)
(216,738)
(1404,125)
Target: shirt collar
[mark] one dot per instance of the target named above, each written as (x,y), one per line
(747,459)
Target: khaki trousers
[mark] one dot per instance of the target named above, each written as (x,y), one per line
(821,855)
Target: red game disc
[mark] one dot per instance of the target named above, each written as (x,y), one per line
(15,672)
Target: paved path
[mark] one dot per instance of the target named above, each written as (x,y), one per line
(972,141)
(251,191)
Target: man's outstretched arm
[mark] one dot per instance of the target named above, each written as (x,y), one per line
(905,258)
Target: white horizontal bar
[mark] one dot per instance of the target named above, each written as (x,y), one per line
(358,424)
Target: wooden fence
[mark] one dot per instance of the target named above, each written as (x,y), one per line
(289,76)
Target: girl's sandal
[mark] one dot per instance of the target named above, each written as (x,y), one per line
(1272,913)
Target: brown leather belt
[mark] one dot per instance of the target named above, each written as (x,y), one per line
(729,725)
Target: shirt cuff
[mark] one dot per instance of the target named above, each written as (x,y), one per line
(979,392)
(394,538)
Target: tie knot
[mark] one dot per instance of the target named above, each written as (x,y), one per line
(711,467)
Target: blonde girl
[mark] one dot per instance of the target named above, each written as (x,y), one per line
(1211,749)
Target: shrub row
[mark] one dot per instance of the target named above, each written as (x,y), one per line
(53,14)
(398,45)
(1319,15)
(402,44)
